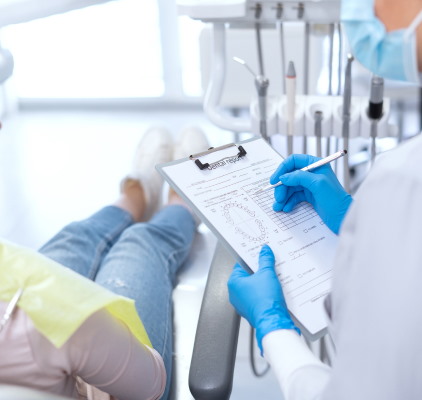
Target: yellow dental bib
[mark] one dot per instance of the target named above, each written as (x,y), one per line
(57,299)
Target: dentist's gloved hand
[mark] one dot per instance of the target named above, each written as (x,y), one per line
(319,187)
(259,298)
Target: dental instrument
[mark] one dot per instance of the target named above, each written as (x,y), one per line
(291,104)
(375,110)
(318,117)
(347,100)
(261,84)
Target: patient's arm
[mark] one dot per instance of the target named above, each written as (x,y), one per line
(105,354)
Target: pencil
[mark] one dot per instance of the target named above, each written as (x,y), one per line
(314,165)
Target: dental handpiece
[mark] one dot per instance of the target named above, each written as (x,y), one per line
(290,105)
(376,100)
(261,84)
(347,102)
(318,117)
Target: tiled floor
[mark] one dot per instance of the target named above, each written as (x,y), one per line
(61,166)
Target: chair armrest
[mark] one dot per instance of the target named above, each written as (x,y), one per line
(214,352)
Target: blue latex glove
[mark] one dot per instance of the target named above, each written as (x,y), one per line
(319,187)
(259,298)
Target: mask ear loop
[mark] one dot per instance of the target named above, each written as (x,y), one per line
(410,50)
(412,27)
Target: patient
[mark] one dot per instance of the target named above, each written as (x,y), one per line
(117,249)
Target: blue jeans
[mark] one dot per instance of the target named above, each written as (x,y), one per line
(136,260)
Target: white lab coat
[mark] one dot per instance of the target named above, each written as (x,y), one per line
(376,300)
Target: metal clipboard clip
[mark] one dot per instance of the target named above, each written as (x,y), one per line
(195,157)
(10,308)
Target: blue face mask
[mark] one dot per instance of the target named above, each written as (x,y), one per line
(392,55)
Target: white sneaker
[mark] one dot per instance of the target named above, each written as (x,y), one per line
(190,141)
(155,147)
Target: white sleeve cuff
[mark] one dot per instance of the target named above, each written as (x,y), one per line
(299,372)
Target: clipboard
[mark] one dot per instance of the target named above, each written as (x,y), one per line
(221,185)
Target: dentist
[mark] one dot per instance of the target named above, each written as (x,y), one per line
(374,308)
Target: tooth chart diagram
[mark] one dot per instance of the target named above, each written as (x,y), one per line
(244,221)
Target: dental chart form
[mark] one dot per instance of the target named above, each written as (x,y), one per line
(226,197)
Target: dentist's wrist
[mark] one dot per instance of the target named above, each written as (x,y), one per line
(271,320)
